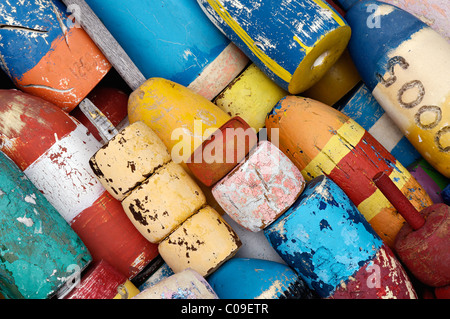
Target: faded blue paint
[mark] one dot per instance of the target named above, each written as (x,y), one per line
(273,26)
(366,111)
(244,278)
(20,48)
(172,39)
(37,245)
(369,46)
(323,236)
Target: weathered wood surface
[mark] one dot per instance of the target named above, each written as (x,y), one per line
(39,249)
(409,76)
(53,149)
(330,244)
(321,140)
(48,55)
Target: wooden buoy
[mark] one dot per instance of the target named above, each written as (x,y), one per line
(180,117)
(222,151)
(183,45)
(435,13)
(47,54)
(163,202)
(321,140)
(401,74)
(431,180)
(128,159)
(422,243)
(39,249)
(187,284)
(261,188)
(365,110)
(327,241)
(203,242)
(250,96)
(243,278)
(294,47)
(53,149)
(102,281)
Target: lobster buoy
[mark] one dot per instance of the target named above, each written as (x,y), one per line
(363,108)
(294,47)
(39,249)
(53,149)
(180,117)
(261,188)
(102,281)
(187,284)
(401,74)
(244,278)
(327,241)
(222,151)
(321,140)
(422,243)
(48,55)
(250,96)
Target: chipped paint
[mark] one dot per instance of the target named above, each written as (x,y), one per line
(38,245)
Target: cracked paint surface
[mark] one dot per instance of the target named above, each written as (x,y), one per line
(326,240)
(37,244)
(45,54)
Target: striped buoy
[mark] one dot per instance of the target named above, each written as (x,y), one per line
(362,107)
(327,241)
(47,54)
(294,47)
(409,75)
(322,141)
(53,149)
(40,253)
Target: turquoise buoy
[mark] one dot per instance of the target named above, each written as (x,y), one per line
(39,253)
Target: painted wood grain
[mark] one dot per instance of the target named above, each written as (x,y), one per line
(330,244)
(321,140)
(409,77)
(53,149)
(294,47)
(39,248)
(46,54)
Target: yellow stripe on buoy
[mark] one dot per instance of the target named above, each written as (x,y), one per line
(343,141)
(271,64)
